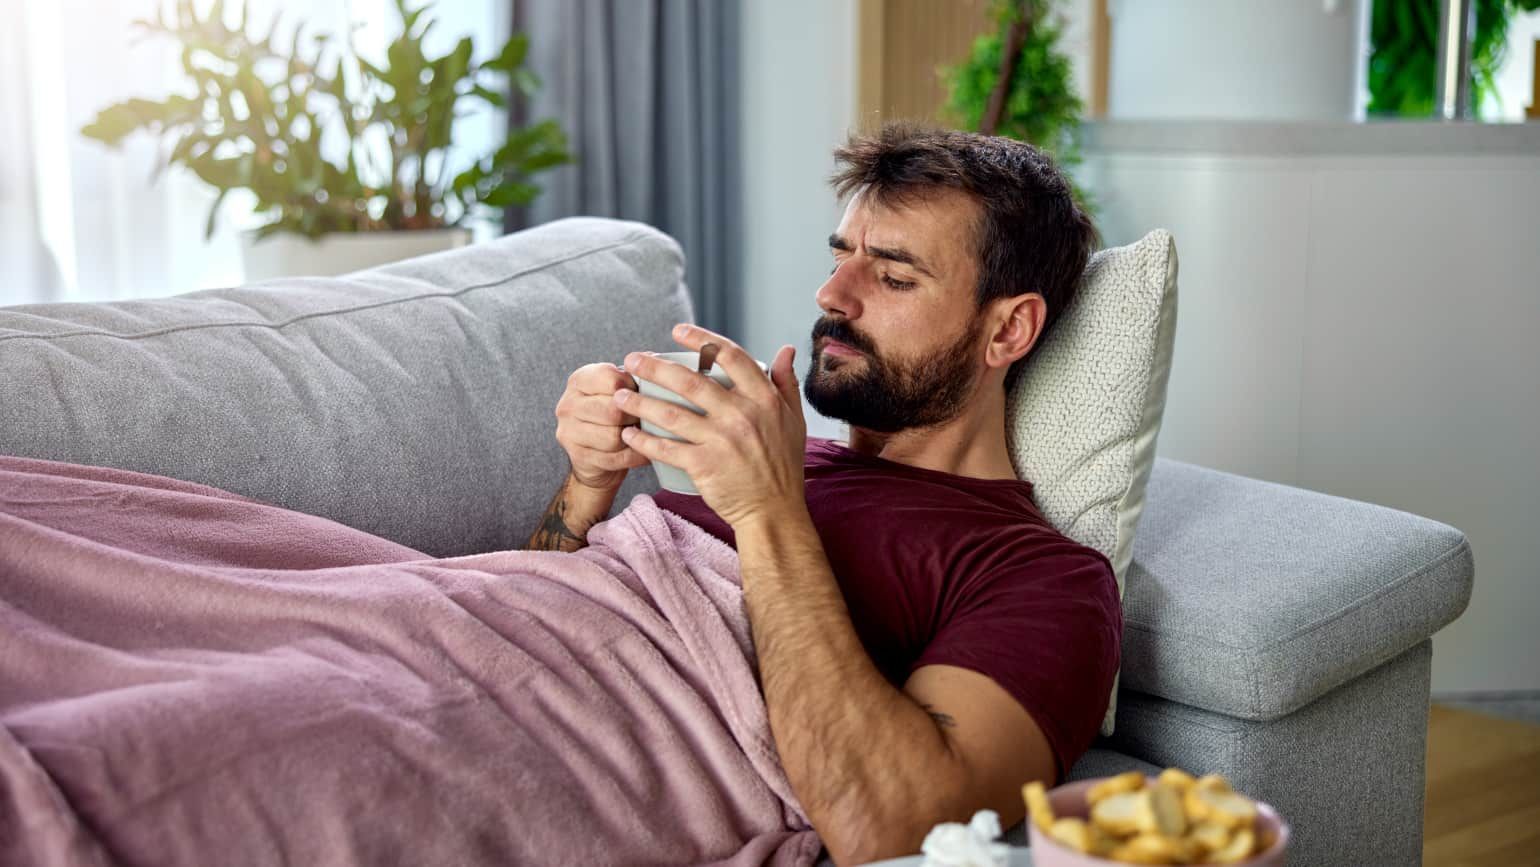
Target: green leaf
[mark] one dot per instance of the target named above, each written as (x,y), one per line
(468,179)
(511,56)
(491,96)
(116,122)
(454,65)
(208,225)
(242,128)
(526,82)
(510,194)
(546,160)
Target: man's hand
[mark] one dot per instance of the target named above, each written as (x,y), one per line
(745,454)
(589,424)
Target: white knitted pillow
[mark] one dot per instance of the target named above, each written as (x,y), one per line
(1083,417)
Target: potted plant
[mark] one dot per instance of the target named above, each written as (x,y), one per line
(1016,82)
(347,160)
(1403,54)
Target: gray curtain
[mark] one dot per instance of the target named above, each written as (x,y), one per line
(647,91)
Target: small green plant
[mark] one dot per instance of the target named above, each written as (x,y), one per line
(261,113)
(1403,56)
(1039,102)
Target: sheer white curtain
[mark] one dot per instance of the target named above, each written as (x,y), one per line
(81,222)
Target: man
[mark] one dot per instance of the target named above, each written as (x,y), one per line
(926,641)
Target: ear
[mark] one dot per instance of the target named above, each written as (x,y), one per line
(1018,320)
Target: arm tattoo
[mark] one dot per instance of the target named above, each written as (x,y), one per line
(553,533)
(944,720)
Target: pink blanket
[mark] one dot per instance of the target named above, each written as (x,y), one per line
(191,677)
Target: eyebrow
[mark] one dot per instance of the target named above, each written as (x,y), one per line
(896,254)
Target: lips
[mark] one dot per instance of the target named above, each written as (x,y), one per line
(836,348)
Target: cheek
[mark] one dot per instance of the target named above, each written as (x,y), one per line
(908,328)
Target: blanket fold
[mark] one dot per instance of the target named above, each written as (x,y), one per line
(191,677)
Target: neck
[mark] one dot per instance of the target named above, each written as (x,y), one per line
(972,445)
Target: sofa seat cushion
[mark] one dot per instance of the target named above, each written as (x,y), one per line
(1252,599)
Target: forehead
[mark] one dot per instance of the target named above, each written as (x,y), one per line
(937,226)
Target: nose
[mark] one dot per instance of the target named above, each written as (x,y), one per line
(840,294)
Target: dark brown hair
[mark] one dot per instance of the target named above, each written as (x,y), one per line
(1031,236)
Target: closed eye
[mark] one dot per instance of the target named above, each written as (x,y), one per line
(899,285)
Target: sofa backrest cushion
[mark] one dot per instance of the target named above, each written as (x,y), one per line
(413,401)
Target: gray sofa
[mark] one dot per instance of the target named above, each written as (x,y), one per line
(1275,635)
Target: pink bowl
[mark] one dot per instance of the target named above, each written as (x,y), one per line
(1069,800)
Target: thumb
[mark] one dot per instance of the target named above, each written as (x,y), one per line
(784,375)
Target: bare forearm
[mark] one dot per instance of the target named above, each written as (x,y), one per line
(867,762)
(572,513)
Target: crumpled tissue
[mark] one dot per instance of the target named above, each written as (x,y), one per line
(953,844)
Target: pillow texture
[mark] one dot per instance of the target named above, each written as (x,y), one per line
(1083,417)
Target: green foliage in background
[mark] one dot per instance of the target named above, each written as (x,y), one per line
(1403,55)
(261,109)
(1043,107)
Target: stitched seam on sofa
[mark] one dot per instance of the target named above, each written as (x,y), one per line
(324,313)
(1157,711)
(1301,697)
(1386,590)
(1185,636)
(1316,624)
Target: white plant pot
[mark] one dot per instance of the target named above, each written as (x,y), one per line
(289,255)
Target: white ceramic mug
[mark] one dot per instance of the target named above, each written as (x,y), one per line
(671,477)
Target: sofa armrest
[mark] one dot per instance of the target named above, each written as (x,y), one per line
(1252,599)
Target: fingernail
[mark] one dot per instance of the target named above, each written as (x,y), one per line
(681,328)
(622,395)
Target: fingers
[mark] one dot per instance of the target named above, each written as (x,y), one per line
(677,420)
(595,437)
(697,389)
(783,373)
(748,379)
(602,378)
(608,461)
(656,448)
(597,409)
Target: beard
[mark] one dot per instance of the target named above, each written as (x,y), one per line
(886,395)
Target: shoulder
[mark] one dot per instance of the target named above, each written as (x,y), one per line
(1029,547)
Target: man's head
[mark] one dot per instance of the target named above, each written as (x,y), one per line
(956,254)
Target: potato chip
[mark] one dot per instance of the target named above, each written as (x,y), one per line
(1132,781)
(1074,833)
(1177,779)
(1212,782)
(1226,808)
(1117,814)
(1175,819)
(1036,797)
(1241,847)
(1210,836)
(1160,811)
(1147,849)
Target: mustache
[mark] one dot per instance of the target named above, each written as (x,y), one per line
(839,329)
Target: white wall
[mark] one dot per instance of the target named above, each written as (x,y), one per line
(798,92)
(1272,59)
(1365,326)
(1515,79)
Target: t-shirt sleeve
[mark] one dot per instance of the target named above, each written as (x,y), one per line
(1048,631)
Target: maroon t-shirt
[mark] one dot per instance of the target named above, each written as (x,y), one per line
(943,569)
